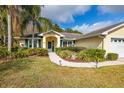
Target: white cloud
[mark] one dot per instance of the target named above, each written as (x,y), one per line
(111,8)
(86,28)
(64,13)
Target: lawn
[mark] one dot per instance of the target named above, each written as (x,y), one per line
(40,72)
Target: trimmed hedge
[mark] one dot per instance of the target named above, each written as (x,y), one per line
(42,52)
(112,56)
(74,49)
(92,55)
(30,52)
(20,54)
(65,54)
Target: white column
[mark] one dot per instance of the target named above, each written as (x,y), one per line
(67,43)
(44,42)
(37,43)
(58,41)
(72,43)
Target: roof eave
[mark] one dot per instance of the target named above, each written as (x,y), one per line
(51,31)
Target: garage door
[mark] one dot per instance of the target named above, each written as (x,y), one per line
(117,46)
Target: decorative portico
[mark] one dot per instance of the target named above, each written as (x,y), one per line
(51,40)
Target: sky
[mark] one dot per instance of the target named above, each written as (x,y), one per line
(84,18)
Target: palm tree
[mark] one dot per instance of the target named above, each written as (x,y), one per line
(46,24)
(41,23)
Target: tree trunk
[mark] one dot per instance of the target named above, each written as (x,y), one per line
(9,33)
(33,36)
(4,40)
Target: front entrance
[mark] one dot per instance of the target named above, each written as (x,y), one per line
(51,46)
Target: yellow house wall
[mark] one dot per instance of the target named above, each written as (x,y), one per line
(94,42)
(119,33)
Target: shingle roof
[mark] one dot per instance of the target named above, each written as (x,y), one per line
(100,31)
(71,35)
(66,35)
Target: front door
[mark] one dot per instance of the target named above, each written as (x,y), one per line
(51,46)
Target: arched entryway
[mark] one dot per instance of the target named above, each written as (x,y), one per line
(51,43)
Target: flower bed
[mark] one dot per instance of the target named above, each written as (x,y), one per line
(85,55)
(22,53)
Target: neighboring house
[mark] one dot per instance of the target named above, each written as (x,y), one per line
(110,38)
(49,40)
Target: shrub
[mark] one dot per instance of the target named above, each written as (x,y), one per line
(42,52)
(112,56)
(29,52)
(92,55)
(32,51)
(37,51)
(83,56)
(73,49)
(65,54)
(20,54)
(58,50)
(4,52)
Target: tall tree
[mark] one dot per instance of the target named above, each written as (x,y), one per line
(3,26)
(13,21)
(73,31)
(57,28)
(38,22)
(19,16)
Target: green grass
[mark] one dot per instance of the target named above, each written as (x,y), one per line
(40,72)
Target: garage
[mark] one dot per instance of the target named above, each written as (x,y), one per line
(117,46)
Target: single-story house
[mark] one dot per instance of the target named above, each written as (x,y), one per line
(110,38)
(50,40)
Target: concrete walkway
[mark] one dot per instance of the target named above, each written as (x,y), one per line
(59,61)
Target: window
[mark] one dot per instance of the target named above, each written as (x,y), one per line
(69,43)
(119,40)
(61,43)
(30,43)
(115,40)
(64,43)
(39,41)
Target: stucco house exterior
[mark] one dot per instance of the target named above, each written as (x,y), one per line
(110,38)
(50,40)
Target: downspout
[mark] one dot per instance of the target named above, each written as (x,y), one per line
(102,36)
